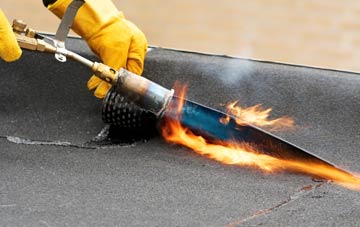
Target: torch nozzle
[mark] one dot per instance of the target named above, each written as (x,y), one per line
(144,92)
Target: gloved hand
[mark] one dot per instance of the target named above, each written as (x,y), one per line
(9,48)
(117,41)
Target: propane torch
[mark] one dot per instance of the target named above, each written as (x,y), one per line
(143,92)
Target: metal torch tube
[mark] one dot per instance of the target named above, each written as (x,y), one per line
(145,93)
(76,57)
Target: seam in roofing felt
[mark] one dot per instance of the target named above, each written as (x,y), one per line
(86,145)
(293,197)
(24,141)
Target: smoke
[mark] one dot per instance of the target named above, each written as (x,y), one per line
(235,71)
(233,74)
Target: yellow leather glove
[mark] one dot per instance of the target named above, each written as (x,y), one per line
(117,41)
(9,48)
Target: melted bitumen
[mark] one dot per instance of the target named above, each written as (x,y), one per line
(117,135)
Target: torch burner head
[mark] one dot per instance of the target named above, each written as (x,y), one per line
(119,111)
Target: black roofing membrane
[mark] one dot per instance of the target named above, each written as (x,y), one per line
(50,175)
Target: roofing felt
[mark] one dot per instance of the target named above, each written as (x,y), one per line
(50,175)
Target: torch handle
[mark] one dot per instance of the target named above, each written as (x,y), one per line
(146,94)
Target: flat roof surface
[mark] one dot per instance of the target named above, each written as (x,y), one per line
(50,175)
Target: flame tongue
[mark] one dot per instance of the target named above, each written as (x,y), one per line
(258,116)
(231,141)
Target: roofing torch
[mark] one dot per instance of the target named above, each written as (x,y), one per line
(143,92)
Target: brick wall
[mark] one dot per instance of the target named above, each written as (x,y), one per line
(323,33)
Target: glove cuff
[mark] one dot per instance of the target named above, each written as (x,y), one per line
(92,17)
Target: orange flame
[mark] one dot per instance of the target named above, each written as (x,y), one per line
(242,154)
(258,116)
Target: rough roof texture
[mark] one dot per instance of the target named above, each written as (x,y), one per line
(51,176)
